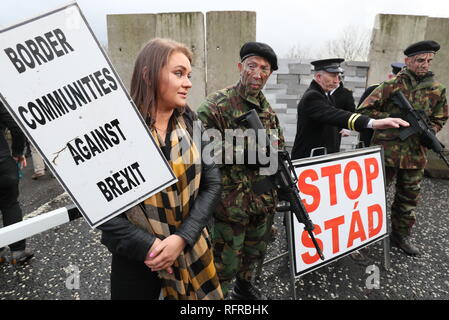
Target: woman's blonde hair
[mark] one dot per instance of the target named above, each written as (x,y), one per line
(145,79)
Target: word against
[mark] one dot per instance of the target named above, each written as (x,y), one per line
(228,309)
(73,280)
(373,281)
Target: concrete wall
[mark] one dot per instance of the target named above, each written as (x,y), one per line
(126,36)
(438,30)
(227,31)
(128,33)
(393,33)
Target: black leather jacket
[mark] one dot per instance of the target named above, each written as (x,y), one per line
(122,237)
(18,138)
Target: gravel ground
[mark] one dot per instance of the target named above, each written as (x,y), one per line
(75,246)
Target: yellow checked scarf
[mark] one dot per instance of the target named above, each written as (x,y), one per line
(194,276)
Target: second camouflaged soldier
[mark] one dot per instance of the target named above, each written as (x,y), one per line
(241,218)
(407,159)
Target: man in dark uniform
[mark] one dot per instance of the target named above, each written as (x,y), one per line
(9,183)
(367,134)
(344,99)
(319,121)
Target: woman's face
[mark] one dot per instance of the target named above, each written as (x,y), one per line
(174,82)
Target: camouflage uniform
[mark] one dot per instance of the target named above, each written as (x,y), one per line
(406,159)
(241,217)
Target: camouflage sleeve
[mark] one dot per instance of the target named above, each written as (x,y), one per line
(214,125)
(440,112)
(205,114)
(281,145)
(373,105)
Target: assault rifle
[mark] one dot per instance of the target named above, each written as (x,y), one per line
(285,179)
(419,124)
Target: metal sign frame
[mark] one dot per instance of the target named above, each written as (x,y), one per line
(289,216)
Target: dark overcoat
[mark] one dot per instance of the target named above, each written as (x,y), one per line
(319,122)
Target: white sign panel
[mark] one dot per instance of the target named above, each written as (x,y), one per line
(63,91)
(344,195)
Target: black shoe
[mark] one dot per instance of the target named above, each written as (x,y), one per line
(3,253)
(22,256)
(244,290)
(359,258)
(404,244)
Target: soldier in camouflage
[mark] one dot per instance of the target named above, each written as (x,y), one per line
(407,159)
(241,217)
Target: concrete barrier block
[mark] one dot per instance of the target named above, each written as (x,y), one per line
(288,78)
(436,168)
(188,28)
(127,34)
(361,72)
(364,64)
(226,32)
(300,68)
(349,71)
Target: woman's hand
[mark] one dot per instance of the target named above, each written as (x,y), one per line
(163,253)
(21,160)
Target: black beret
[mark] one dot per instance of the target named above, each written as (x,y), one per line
(329,65)
(259,49)
(397,67)
(427,46)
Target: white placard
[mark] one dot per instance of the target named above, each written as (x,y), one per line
(344,195)
(63,91)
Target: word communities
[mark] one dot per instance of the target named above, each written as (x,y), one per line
(69,98)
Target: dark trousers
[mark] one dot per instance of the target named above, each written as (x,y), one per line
(133,280)
(9,194)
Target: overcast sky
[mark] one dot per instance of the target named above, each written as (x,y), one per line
(281,23)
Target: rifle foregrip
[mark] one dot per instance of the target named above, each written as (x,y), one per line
(300,213)
(407,132)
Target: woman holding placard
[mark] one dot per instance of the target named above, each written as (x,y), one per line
(163,242)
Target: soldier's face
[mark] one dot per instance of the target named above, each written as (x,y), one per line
(420,64)
(328,80)
(254,73)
